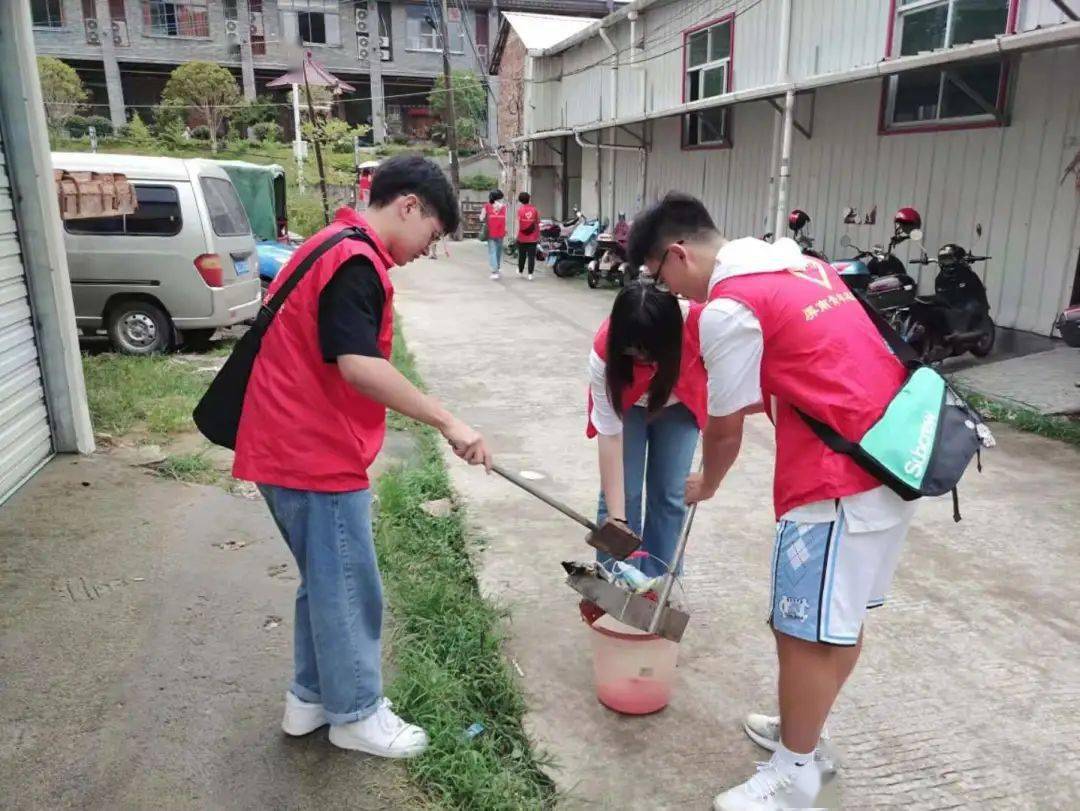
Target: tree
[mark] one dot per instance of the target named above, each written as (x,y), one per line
(470,105)
(206,88)
(61,89)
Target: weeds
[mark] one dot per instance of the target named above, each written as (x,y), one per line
(154,393)
(194,468)
(448,647)
(1066,429)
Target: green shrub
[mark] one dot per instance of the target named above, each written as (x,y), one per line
(76,125)
(201,133)
(479,182)
(268,132)
(102,124)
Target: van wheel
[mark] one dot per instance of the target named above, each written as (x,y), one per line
(139,328)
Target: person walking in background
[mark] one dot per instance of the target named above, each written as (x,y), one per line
(528,233)
(493,215)
(363,184)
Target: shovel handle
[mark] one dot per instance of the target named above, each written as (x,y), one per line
(531,489)
(669,578)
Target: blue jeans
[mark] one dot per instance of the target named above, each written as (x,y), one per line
(657,455)
(337,651)
(495,250)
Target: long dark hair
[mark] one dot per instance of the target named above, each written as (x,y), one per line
(646,326)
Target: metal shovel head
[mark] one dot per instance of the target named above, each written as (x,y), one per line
(614,539)
(635,610)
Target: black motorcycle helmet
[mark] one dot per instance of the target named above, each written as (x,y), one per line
(951,255)
(798,219)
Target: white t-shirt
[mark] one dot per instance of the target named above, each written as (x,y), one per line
(732,346)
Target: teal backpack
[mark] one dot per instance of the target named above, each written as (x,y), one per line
(924,441)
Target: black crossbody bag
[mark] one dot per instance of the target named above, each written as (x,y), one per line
(217,415)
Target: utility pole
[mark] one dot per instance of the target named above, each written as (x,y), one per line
(451,123)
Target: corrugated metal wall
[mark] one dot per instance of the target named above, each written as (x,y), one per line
(25,435)
(826,36)
(996,191)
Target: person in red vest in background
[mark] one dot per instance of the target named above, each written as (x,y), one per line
(528,233)
(364,187)
(646,409)
(313,421)
(781,329)
(493,214)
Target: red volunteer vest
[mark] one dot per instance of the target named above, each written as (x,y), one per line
(823,355)
(302,425)
(528,215)
(691,387)
(496,221)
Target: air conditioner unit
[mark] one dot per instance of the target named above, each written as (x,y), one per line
(120,33)
(92,35)
(232,29)
(361,20)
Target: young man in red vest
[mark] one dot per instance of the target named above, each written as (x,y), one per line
(314,419)
(781,329)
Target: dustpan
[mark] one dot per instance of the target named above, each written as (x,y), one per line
(650,612)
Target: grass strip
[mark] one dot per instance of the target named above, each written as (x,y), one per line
(1066,429)
(156,392)
(447,646)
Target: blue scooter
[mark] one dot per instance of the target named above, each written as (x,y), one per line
(579,251)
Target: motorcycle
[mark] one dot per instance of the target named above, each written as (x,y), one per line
(611,262)
(879,274)
(579,249)
(956,319)
(797,222)
(554,233)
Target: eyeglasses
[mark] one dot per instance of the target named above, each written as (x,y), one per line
(657,278)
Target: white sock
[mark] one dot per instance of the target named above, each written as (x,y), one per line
(786,759)
(801,768)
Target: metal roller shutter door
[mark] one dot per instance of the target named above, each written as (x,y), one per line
(25,435)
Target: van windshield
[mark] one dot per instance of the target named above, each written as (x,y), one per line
(227,215)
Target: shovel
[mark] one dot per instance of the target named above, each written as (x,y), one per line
(611,537)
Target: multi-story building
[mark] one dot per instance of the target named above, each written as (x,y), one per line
(389,51)
(968,110)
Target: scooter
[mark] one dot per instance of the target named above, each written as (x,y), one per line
(797,222)
(879,274)
(611,262)
(553,235)
(956,319)
(579,249)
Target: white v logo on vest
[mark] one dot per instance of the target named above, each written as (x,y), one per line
(813,273)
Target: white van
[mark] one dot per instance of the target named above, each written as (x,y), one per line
(181,266)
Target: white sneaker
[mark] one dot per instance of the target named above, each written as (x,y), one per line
(495,276)
(301,717)
(382,733)
(764,730)
(771,789)
(530,277)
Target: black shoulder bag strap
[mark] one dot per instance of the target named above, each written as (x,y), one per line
(270,308)
(217,415)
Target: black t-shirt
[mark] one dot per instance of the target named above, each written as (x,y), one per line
(351,310)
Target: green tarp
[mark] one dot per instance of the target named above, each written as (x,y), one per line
(255,184)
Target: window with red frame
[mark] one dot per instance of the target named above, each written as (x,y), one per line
(707,57)
(961,94)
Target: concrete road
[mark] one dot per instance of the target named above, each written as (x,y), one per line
(145,650)
(968,693)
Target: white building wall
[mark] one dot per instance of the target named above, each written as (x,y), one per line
(831,35)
